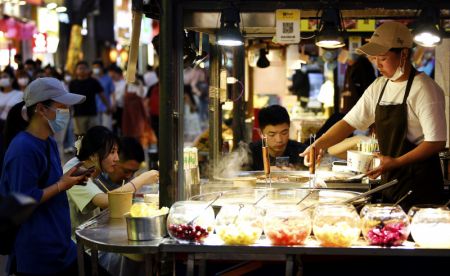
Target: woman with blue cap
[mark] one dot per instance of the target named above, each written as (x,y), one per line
(32,167)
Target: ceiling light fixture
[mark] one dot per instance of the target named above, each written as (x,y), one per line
(428,32)
(51,6)
(229,33)
(263,62)
(329,33)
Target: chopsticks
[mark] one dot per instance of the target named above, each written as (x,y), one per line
(104,186)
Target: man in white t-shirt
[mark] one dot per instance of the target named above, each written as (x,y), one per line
(408,109)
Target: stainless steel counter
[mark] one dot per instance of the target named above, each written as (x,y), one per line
(101,233)
(105,234)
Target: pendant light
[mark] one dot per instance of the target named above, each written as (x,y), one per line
(263,62)
(229,33)
(329,33)
(428,32)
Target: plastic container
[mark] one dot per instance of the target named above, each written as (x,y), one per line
(190,221)
(286,224)
(384,224)
(239,224)
(430,227)
(336,225)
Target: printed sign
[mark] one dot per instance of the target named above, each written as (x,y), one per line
(287,26)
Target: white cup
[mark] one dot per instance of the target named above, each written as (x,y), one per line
(359,161)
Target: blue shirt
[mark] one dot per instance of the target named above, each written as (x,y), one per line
(43,243)
(108,90)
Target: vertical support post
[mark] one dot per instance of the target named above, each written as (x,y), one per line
(94,262)
(80,256)
(238,92)
(214,107)
(170,124)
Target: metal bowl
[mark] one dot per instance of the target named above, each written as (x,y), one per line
(146,228)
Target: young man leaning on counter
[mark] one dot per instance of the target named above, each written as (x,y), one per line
(274,122)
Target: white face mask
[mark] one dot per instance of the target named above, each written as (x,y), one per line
(5,82)
(23,81)
(96,71)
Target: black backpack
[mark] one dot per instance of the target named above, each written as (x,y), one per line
(15,209)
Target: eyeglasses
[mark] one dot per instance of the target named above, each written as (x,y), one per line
(129,171)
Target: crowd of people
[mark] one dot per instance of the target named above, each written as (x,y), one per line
(93,116)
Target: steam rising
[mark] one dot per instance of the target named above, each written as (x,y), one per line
(232,163)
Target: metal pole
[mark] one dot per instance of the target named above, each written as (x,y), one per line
(215,127)
(170,163)
(238,95)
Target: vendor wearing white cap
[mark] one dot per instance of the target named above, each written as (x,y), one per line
(32,167)
(408,109)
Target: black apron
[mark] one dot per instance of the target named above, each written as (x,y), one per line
(424,178)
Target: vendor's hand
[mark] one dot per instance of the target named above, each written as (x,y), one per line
(387,163)
(305,155)
(150,177)
(67,180)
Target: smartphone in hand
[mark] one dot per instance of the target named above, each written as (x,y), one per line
(83,171)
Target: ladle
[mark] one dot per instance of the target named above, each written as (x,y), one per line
(403,197)
(305,197)
(207,206)
(363,195)
(377,189)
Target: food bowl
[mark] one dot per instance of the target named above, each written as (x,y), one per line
(430,227)
(146,228)
(359,161)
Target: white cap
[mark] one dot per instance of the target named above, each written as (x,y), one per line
(388,35)
(43,89)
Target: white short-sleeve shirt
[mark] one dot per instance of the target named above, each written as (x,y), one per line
(426,108)
(80,198)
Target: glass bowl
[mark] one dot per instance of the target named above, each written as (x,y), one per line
(384,224)
(430,227)
(336,225)
(239,224)
(286,224)
(190,221)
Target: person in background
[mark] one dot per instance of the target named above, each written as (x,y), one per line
(408,109)
(69,137)
(150,76)
(191,115)
(43,245)
(30,68)
(274,122)
(85,114)
(100,148)
(119,82)
(22,79)
(359,75)
(19,61)
(8,98)
(50,71)
(104,116)
(153,105)
(135,118)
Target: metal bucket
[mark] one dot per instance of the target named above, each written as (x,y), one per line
(146,228)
